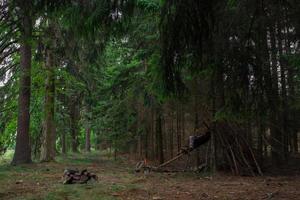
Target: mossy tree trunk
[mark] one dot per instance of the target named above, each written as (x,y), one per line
(49,135)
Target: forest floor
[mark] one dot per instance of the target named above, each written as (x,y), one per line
(118,181)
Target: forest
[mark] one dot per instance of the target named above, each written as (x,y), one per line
(156,99)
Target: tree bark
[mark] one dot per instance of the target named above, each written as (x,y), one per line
(74,115)
(274,101)
(172,135)
(146,141)
(48,147)
(23,150)
(153,138)
(159,136)
(285,109)
(263,75)
(178,127)
(63,143)
(88,138)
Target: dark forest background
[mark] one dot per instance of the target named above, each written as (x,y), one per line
(141,76)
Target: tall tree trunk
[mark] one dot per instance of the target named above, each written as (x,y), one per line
(274,101)
(140,147)
(263,75)
(196,125)
(159,136)
(88,138)
(164,135)
(285,109)
(213,161)
(98,140)
(48,147)
(138,132)
(153,138)
(172,135)
(74,115)
(63,143)
(259,74)
(23,150)
(178,127)
(182,125)
(290,82)
(147,130)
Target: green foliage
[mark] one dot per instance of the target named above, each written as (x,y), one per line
(149,5)
(118,59)
(232,4)
(131,77)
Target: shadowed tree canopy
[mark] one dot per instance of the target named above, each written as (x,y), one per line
(139,77)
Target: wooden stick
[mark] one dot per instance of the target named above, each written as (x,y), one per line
(206,125)
(169,161)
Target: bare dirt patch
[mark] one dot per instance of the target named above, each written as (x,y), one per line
(221,187)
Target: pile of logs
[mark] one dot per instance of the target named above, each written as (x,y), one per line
(75,176)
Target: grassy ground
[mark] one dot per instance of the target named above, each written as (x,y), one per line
(118,181)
